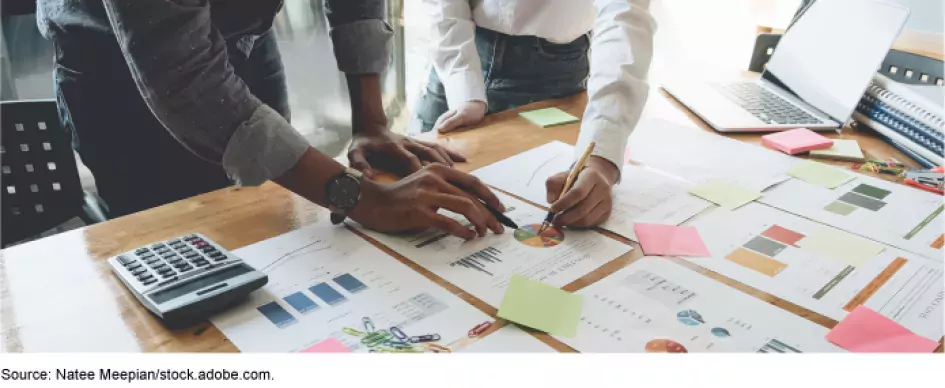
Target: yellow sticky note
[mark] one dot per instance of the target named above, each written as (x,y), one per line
(819,174)
(548,117)
(846,150)
(541,306)
(841,246)
(725,194)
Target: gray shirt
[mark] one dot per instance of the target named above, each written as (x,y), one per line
(176,51)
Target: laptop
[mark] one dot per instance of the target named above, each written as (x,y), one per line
(815,77)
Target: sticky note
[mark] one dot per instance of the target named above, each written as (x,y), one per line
(796,141)
(846,150)
(548,117)
(725,194)
(670,240)
(330,345)
(841,246)
(540,306)
(866,331)
(819,174)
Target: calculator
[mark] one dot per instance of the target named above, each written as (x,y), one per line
(184,280)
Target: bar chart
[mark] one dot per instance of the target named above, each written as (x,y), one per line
(479,260)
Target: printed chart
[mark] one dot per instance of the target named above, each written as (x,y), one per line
(657,306)
(484,265)
(822,268)
(643,195)
(891,213)
(324,278)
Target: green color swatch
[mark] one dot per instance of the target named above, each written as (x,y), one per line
(840,207)
(725,194)
(819,174)
(542,307)
(871,191)
(549,117)
(918,228)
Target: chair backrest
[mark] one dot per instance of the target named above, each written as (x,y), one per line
(39,180)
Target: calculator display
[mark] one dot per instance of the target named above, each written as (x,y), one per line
(186,288)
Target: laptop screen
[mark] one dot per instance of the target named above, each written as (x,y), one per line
(831,51)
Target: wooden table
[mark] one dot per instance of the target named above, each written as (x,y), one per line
(58,294)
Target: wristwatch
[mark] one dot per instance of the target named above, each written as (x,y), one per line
(342,193)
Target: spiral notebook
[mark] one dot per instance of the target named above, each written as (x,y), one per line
(911,115)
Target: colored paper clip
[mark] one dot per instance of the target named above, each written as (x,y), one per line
(436,348)
(479,329)
(350,331)
(399,334)
(425,338)
(886,163)
(368,324)
(375,338)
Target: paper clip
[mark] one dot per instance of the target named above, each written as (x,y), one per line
(425,338)
(479,329)
(368,324)
(375,338)
(436,348)
(350,331)
(399,334)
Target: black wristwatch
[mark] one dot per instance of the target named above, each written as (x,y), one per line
(342,193)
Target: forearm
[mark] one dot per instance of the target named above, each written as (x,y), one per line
(309,176)
(621,52)
(367,105)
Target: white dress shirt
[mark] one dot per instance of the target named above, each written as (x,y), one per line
(621,50)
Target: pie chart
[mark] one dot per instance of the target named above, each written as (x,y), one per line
(664,346)
(690,318)
(528,235)
(720,332)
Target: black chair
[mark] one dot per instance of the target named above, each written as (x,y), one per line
(40,179)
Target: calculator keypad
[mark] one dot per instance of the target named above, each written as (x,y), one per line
(164,261)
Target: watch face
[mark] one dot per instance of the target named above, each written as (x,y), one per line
(343,192)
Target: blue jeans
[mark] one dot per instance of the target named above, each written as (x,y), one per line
(518,70)
(136,162)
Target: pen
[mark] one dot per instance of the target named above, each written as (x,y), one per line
(503,219)
(568,183)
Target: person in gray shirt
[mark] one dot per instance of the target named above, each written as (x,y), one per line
(167,99)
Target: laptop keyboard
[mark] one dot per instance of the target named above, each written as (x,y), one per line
(765,105)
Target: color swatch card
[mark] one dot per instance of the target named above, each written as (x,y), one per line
(819,174)
(796,141)
(670,240)
(541,306)
(866,331)
(845,150)
(549,117)
(725,194)
(823,269)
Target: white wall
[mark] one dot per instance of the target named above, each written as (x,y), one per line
(926,16)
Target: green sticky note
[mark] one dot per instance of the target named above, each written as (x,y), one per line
(542,307)
(819,174)
(725,194)
(841,246)
(549,117)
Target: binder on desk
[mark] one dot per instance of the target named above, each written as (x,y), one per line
(906,118)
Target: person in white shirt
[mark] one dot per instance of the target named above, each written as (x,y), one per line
(494,55)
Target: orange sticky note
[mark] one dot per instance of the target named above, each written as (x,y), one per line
(866,331)
(670,240)
(796,141)
(330,345)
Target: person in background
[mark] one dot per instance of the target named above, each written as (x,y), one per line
(167,99)
(494,55)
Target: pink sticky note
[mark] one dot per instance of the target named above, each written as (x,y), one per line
(796,141)
(670,240)
(330,345)
(866,331)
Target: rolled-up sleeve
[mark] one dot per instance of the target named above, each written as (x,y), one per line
(621,52)
(361,38)
(180,65)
